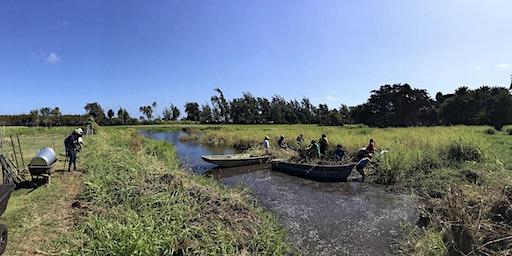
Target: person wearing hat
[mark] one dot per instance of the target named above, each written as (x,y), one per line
(72,146)
(266,145)
(282,143)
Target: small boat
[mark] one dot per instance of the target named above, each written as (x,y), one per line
(220,173)
(235,160)
(329,173)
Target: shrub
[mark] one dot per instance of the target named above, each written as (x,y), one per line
(461,150)
(490,131)
(509,131)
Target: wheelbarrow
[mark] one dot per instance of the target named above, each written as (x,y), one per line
(43,164)
(41,172)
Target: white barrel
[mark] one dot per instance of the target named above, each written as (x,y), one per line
(45,157)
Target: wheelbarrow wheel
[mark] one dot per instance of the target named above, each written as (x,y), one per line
(3,238)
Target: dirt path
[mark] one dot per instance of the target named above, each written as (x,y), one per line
(39,217)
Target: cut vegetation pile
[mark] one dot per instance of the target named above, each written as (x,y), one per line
(140,203)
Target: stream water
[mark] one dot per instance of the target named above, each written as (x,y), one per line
(344,218)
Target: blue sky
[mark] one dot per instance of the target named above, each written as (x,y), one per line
(131,53)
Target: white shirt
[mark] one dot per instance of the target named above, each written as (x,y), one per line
(266,144)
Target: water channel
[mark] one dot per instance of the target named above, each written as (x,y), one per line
(345,218)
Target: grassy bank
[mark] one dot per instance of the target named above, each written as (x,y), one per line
(136,201)
(463,174)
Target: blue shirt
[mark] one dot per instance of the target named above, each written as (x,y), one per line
(339,153)
(363,162)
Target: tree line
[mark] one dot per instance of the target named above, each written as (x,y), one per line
(397,105)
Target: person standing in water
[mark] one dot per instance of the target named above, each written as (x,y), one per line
(362,164)
(266,145)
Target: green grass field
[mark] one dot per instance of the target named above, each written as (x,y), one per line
(134,191)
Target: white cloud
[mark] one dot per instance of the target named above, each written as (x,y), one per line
(52,58)
(330,96)
(504,65)
(478,68)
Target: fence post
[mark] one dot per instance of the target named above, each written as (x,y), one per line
(14,152)
(21,152)
(2,142)
(35,143)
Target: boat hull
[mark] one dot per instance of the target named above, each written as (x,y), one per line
(325,173)
(235,162)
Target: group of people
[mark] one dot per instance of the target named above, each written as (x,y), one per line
(320,150)
(73,144)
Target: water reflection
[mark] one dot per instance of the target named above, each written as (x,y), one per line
(189,152)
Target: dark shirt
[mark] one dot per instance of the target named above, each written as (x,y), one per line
(71,143)
(363,162)
(339,153)
(324,142)
(370,148)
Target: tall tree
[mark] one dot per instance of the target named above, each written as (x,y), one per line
(46,119)
(500,107)
(220,106)
(171,113)
(147,111)
(175,113)
(110,115)
(206,116)
(95,111)
(192,110)
(34,117)
(393,105)
(56,115)
(123,115)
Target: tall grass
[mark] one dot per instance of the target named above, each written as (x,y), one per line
(143,204)
(413,152)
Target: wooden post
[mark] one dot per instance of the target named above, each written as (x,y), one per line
(21,152)
(35,143)
(2,142)
(14,152)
